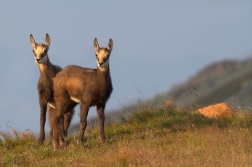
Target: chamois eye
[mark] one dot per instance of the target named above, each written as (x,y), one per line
(33,51)
(45,51)
(96,55)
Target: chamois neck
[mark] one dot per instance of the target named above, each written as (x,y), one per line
(104,82)
(43,67)
(103,75)
(103,71)
(47,70)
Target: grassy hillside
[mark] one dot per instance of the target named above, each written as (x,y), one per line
(161,136)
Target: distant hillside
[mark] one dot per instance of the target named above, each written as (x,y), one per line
(227,81)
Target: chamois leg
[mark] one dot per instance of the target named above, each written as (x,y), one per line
(58,140)
(61,131)
(42,120)
(83,121)
(67,120)
(50,120)
(101,117)
(57,125)
(58,121)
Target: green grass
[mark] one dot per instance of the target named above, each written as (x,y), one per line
(162,136)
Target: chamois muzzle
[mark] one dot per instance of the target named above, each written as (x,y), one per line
(103,63)
(38,60)
(100,64)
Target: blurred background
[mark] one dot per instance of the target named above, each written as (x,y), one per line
(189,51)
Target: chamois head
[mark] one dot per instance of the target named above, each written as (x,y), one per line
(40,50)
(102,54)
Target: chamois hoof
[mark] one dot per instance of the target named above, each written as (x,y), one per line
(63,144)
(56,146)
(65,133)
(103,141)
(80,142)
(40,141)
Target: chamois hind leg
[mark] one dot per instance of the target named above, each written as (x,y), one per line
(58,117)
(83,121)
(58,123)
(101,118)
(67,120)
(43,105)
(50,120)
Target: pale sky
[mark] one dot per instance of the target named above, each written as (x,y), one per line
(156,46)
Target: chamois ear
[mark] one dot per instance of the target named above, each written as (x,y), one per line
(47,40)
(96,45)
(110,45)
(32,41)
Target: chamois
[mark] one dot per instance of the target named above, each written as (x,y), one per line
(89,87)
(45,87)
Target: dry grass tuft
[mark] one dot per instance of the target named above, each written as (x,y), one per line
(169,103)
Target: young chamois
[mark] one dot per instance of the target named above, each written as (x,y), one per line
(89,87)
(45,87)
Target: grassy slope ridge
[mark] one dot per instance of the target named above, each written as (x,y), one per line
(161,136)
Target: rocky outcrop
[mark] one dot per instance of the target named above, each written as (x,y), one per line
(220,110)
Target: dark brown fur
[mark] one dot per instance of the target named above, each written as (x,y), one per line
(45,88)
(89,87)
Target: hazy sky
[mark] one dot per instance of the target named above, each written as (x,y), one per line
(156,46)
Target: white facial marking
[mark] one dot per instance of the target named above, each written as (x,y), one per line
(75,99)
(42,60)
(36,61)
(104,65)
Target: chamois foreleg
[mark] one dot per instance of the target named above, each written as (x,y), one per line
(83,121)
(43,106)
(101,118)
(50,118)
